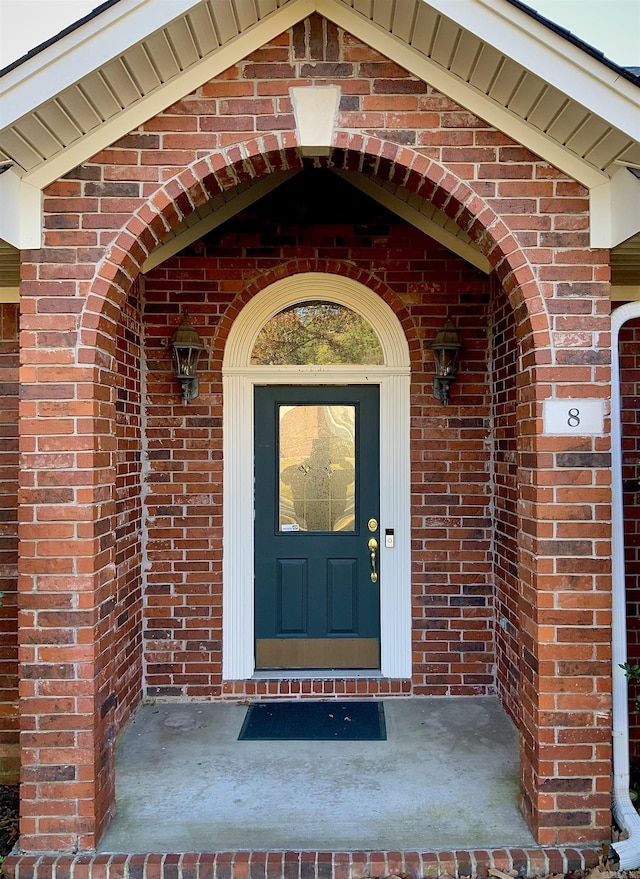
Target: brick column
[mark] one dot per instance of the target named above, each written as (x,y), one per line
(66,573)
(565,618)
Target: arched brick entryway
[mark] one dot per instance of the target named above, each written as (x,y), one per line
(91,555)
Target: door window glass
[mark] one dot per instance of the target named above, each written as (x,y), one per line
(317,333)
(317,467)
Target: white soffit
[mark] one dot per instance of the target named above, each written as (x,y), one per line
(9,266)
(625,263)
(549,56)
(488,56)
(139,80)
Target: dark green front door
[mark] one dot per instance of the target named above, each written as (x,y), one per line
(316,513)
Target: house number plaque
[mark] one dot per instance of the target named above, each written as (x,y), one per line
(578,417)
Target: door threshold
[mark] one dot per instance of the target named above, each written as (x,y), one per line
(297,674)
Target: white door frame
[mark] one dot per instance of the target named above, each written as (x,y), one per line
(239,378)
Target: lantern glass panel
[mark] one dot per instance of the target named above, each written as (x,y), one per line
(186,360)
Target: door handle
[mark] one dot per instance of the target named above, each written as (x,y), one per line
(373,548)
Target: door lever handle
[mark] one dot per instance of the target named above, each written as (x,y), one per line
(373,548)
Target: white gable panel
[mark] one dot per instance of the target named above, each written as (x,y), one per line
(605,151)
(425,29)
(33,131)
(79,108)
(224,20)
(20,151)
(483,72)
(54,116)
(403,21)
(57,67)
(142,70)
(266,7)
(466,55)
(507,82)
(160,54)
(548,55)
(98,93)
(201,26)
(383,13)
(121,82)
(182,43)
(528,94)
(445,42)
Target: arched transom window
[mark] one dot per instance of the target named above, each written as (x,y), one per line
(317,332)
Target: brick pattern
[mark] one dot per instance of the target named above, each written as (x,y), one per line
(451,492)
(629,394)
(123,632)
(9,745)
(305,865)
(504,478)
(529,220)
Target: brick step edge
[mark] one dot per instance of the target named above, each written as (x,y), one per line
(302,865)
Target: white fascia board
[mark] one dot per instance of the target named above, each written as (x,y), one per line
(615,210)
(244,200)
(84,50)
(554,59)
(415,218)
(464,94)
(162,97)
(21,213)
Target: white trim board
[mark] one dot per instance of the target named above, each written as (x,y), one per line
(239,380)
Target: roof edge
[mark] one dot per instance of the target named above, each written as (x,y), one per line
(59,36)
(570,37)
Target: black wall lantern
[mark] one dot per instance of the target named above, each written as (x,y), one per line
(447,349)
(186,346)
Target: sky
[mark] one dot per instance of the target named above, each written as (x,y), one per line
(612,26)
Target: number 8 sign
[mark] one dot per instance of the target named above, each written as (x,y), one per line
(579,417)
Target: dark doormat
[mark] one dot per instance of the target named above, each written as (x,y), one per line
(315,721)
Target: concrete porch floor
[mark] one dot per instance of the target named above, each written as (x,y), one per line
(445,778)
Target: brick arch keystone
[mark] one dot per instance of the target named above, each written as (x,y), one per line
(226,168)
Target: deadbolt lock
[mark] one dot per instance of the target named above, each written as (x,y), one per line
(372,524)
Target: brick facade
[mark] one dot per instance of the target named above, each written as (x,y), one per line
(121,485)
(629,335)
(9,746)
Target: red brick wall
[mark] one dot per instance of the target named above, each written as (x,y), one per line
(629,407)
(504,476)
(451,489)
(9,756)
(532,223)
(123,680)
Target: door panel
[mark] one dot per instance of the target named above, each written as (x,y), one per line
(316,489)
(292,595)
(342,587)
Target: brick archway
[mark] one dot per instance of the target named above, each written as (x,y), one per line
(223,170)
(179,198)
